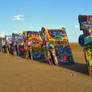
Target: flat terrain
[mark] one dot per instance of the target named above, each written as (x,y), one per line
(21,75)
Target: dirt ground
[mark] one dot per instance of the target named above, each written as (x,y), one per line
(21,75)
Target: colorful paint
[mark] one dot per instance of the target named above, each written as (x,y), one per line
(56,46)
(85,39)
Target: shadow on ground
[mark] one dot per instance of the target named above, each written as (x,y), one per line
(77,67)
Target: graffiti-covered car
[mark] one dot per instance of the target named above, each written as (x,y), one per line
(20,45)
(0,44)
(56,46)
(15,43)
(4,45)
(85,39)
(86,26)
(33,43)
(9,44)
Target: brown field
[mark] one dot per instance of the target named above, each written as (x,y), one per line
(21,75)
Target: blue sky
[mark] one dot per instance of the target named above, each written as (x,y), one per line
(18,15)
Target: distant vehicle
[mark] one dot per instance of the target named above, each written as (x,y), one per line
(4,45)
(32,44)
(0,44)
(56,46)
(15,38)
(9,44)
(20,45)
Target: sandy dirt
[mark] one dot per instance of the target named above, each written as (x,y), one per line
(21,75)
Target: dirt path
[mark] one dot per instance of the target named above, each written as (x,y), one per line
(20,75)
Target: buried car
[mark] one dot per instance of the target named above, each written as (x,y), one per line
(56,46)
(85,39)
(32,44)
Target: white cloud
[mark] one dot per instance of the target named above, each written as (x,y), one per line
(76,26)
(2,34)
(18,17)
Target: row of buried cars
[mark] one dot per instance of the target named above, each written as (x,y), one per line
(49,44)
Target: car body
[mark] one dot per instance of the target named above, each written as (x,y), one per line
(56,46)
(32,44)
(86,26)
(9,44)
(85,39)
(20,45)
(0,44)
